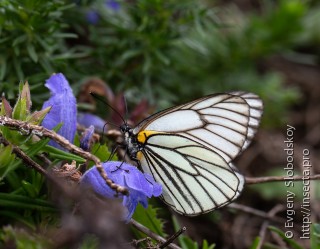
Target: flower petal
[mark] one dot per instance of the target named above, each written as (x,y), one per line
(138,182)
(64,109)
(87,119)
(93,179)
(139,185)
(157,188)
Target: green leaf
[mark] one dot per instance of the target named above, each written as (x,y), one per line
(205,245)
(315,236)
(19,39)
(37,117)
(147,63)
(18,69)
(12,201)
(6,156)
(290,242)
(22,107)
(7,160)
(165,60)
(13,179)
(3,68)
(46,64)
(148,218)
(31,190)
(255,243)
(37,180)
(21,239)
(32,52)
(17,217)
(129,54)
(35,147)
(102,152)
(60,154)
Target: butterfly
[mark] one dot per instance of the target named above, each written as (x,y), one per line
(189,149)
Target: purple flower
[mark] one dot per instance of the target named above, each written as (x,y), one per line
(112,4)
(140,185)
(85,140)
(63,108)
(92,17)
(87,119)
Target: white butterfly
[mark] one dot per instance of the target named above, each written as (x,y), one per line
(189,149)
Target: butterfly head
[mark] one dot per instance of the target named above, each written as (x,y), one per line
(124,128)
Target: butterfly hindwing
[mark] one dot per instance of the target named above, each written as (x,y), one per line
(195,179)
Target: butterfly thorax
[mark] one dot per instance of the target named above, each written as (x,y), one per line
(133,146)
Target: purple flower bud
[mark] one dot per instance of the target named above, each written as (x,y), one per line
(85,140)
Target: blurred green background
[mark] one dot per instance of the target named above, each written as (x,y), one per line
(169,52)
(164,51)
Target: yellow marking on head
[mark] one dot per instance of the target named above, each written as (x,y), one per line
(143,135)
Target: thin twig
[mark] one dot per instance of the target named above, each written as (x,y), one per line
(43,132)
(256,180)
(137,242)
(151,234)
(264,227)
(255,212)
(29,162)
(173,237)
(25,158)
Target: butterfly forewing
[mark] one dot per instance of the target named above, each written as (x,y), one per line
(190,148)
(204,120)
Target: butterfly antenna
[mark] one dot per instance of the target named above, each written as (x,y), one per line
(98,97)
(126,106)
(109,123)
